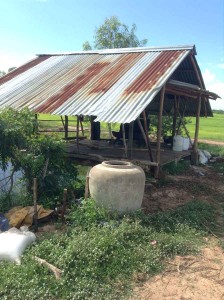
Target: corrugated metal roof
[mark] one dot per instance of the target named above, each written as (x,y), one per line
(115,85)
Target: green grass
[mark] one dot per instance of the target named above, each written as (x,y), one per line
(101,253)
(210,128)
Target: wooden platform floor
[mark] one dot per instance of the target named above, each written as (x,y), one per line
(104,150)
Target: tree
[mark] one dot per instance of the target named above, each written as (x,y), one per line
(11,69)
(86,46)
(114,34)
(2,73)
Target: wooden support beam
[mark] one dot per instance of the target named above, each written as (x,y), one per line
(195,148)
(196,71)
(124,141)
(77,133)
(130,140)
(63,123)
(146,134)
(180,93)
(95,129)
(159,130)
(80,120)
(174,116)
(66,127)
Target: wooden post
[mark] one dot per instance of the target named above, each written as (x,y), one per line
(195,146)
(159,130)
(35,215)
(174,117)
(64,203)
(77,133)
(81,126)
(146,134)
(124,141)
(94,129)
(66,127)
(130,139)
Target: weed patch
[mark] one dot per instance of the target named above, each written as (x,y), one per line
(176,168)
(100,253)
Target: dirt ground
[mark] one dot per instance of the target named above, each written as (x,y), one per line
(191,277)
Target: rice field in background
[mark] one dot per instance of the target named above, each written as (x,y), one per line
(211,128)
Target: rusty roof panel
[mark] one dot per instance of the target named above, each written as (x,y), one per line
(120,67)
(146,80)
(114,85)
(22,69)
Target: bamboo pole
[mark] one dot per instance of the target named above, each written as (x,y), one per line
(159,130)
(124,141)
(35,215)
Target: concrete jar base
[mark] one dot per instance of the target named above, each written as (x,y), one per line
(117,185)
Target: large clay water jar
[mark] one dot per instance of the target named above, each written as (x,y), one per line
(117,185)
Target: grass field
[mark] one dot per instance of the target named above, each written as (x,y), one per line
(210,128)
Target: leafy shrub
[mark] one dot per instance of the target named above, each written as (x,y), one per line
(167,125)
(37,156)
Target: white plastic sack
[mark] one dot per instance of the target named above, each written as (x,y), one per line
(204,156)
(207,154)
(13,243)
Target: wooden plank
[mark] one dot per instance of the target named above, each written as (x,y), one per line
(159,130)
